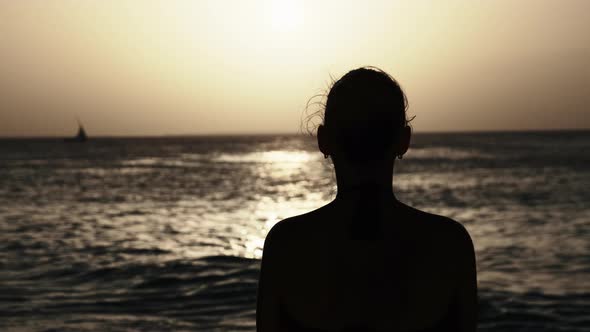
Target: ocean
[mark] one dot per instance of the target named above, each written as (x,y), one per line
(166,234)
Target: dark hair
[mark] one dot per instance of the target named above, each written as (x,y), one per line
(364,112)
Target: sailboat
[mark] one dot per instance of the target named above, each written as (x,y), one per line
(80,137)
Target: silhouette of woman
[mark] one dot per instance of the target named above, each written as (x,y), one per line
(365,261)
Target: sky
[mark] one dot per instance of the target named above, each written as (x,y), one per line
(179,67)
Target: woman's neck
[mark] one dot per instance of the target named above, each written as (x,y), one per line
(365,191)
(368,179)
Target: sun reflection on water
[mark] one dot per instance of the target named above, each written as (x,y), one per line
(276,156)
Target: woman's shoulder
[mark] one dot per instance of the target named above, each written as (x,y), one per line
(285,238)
(298,223)
(301,227)
(440,227)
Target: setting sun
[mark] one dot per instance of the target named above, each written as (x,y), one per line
(286,15)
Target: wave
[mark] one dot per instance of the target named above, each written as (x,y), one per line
(203,294)
(446,153)
(219,293)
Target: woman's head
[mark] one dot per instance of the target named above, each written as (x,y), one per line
(364,118)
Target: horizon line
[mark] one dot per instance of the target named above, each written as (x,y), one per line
(244,134)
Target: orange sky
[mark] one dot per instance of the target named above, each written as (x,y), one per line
(212,67)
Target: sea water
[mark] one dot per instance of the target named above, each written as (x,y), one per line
(157,234)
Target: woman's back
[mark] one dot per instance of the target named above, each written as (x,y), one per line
(405,279)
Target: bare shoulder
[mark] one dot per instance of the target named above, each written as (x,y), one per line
(298,224)
(440,228)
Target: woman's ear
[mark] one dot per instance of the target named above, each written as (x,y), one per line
(404,141)
(324,141)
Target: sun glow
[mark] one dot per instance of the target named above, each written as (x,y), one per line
(286,15)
